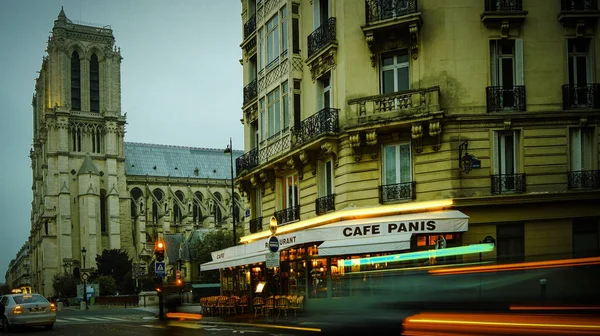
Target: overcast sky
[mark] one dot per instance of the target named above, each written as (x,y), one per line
(181,82)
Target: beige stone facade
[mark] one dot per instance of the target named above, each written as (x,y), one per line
(19,269)
(91,189)
(495,105)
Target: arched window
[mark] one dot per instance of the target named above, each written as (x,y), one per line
(94,84)
(217,209)
(236,208)
(197,210)
(177,210)
(158,194)
(136,193)
(75,82)
(103,224)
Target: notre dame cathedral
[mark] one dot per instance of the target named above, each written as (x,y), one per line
(94,191)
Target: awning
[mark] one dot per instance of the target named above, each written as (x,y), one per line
(365,245)
(232,262)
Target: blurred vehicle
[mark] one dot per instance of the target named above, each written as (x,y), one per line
(26,310)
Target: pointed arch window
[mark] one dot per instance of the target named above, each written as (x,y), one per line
(136,194)
(197,209)
(158,194)
(236,208)
(177,211)
(94,84)
(103,224)
(75,82)
(217,209)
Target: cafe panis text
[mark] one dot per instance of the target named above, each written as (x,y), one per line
(389,228)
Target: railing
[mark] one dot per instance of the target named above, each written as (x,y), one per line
(256,225)
(379,10)
(503,183)
(584,179)
(250,92)
(397,104)
(325,204)
(501,98)
(581,96)
(503,5)
(247,161)
(321,37)
(250,26)
(274,148)
(287,215)
(324,121)
(397,192)
(579,5)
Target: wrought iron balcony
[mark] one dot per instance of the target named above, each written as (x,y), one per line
(584,179)
(501,98)
(506,183)
(322,122)
(256,225)
(380,10)
(321,37)
(397,192)
(288,215)
(250,26)
(503,5)
(250,92)
(579,5)
(581,96)
(397,105)
(247,161)
(325,204)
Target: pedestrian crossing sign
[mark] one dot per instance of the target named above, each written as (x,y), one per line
(159,269)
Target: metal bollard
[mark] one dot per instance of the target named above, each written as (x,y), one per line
(543,288)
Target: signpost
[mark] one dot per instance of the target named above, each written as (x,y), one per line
(272,260)
(160,269)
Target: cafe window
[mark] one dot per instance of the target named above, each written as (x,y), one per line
(510,242)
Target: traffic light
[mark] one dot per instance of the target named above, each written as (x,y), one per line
(179,282)
(159,250)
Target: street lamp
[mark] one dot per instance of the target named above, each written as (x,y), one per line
(83,252)
(229,150)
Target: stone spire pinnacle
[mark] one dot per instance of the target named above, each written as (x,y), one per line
(62,16)
(88,166)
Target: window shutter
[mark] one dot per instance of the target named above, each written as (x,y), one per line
(519,75)
(493,63)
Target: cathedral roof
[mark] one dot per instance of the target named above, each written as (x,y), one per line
(88,166)
(177,161)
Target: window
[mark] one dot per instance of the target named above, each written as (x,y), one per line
(258,203)
(297,104)
(274,112)
(272,40)
(579,62)
(320,12)
(284,30)
(290,191)
(197,209)
(75,82)
(397,164)
(582,148)
(506,69)
(94,84)
(76,134)
(136,195)
(158,196)
(324,91)
(296,28)
(586,237)
(217,209)
(326,178)
(261,49)
(505,152)
(394,72)
(103,224)
(286,105)
(96,140)
(510,242)
(263,120)
(177,210)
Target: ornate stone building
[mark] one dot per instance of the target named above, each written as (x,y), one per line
(19,269)
(91,189)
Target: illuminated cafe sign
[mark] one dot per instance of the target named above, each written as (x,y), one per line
(389,228)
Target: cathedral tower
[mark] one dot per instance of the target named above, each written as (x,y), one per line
(79,186)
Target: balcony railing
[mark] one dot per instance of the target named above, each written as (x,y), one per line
(322,122)
(325,204)
(579,5)
(321,37)
(503,5)
(380,10)
(500,98)
(274,148)
(256,225)
(392,105)
(584,179)
(581,96)
(250,26)
(504,183)
(288,215)
(250,92)
(397,192)
(247,161)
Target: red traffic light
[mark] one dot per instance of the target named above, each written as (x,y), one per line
(179,282)
(160,245)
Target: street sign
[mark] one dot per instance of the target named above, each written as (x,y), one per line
(160,269)
(272,260)
(273,244)
(85,276)
(138,270)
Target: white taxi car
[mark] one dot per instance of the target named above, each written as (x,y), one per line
(26,310)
